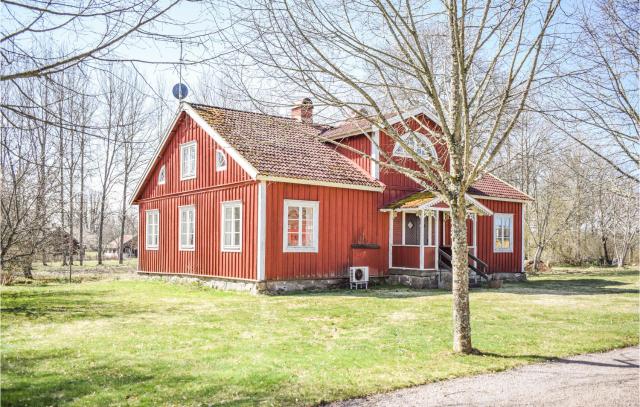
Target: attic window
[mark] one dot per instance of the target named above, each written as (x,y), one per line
(188,160)
(221,160)
(418,143)
(162,176)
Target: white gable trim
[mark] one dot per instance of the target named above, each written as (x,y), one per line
(413,113)
(319,183)
(246,165)
(156,154)
(494,198)
(475,202)
(226,147)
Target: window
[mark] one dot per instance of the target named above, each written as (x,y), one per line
(300,226)
(152,229)
(411,229)
(502,232)
(188,160)
(416,142)
(187,227)
(232,226)
(221,160)
(162,176)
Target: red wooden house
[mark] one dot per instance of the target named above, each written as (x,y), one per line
(250,200)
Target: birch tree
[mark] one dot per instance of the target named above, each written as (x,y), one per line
(353,55)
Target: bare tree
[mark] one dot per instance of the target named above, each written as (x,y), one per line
(597,102)
(40,22)
(132,151)
(114,100)
(353,55)
(625,221)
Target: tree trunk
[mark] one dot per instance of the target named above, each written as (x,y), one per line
(460,271)
(537,258)
(101,228)
(81,231)
(124,214)
(27,267)
(607,259)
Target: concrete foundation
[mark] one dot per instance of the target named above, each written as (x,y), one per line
(417,279)
(509,276)
(257,287)
(205,281)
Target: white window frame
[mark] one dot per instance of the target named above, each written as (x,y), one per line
(222,167)
(183,147)
(409,138)
(162,175)
(182,247)
(506,216)
(230,248)
(316,226)
(146,227)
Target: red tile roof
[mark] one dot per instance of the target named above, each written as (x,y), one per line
(352,126)
(283,147)
(491,186)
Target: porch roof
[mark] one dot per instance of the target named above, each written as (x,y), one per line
(428,200)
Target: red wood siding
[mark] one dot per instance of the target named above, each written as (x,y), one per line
(207,259)
(429,257)
(206,192)
(399,185)
(206,175)
(510,262)
(406,256)
(360,143)
(500,262)
(345,217)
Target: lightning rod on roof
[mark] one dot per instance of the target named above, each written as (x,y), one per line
(180,90)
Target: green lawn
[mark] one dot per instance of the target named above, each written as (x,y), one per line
(132,342)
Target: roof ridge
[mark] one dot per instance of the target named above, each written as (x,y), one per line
(509,184)
(242,111)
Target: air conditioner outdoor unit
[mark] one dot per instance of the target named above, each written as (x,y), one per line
(359,277)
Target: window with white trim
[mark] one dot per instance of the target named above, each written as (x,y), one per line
(221,160)
(503,232)
(419,143)
(300,231)
(162,175)
(188,160)
(187,231)
(232,226)
(152,234)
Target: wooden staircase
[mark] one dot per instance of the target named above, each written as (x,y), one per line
(478,269)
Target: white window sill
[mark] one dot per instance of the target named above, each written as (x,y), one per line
(231,249)
(300,250)
(187,249)
(187,178)
(154,248)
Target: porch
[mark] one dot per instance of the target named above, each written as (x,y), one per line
(420,239)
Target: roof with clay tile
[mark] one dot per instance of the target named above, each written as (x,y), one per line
(283,147)
(491,186)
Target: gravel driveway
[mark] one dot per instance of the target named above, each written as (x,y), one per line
(600,379)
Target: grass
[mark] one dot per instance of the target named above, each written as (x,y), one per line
(131,342)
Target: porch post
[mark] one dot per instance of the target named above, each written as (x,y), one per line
(437,240)
(391,216)
(475,234)
(421,215)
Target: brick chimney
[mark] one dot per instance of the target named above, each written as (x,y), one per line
(302,111)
